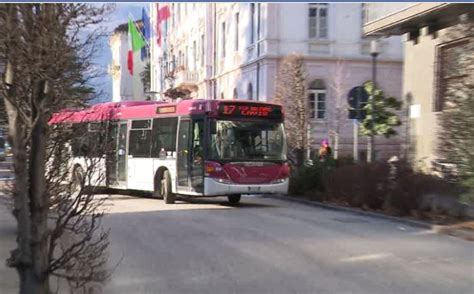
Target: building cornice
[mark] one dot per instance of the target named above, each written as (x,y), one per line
(411,18)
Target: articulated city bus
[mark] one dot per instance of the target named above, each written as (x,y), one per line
(192,147)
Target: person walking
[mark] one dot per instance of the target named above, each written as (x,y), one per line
(324,150)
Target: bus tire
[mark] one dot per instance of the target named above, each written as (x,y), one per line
(157,183)
(234,199)
(166,192)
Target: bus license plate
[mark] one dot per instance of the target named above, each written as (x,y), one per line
(253,189)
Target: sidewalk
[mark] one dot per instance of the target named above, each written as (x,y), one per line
(463,230)
(8,276)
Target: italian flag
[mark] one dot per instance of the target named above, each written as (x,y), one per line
(135,43)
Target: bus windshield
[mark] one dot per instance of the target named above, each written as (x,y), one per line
(247,141)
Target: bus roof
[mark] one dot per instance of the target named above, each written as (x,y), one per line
(144,110)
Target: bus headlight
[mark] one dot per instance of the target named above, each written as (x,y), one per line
(279,181)
(215,171)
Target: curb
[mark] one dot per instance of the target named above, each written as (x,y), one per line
(413,223)
(455,232)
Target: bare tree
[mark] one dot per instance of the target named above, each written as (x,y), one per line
(46,51)
(290,91)
(78,243)
(337,84)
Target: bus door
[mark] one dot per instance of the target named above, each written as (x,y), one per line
(190,156)
(117,162)
(122,154)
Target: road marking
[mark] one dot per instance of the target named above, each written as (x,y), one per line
(367,257)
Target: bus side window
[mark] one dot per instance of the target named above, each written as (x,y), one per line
(140,139)
(163,135)
(80,142)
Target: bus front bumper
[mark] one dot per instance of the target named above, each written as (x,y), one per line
(215,188)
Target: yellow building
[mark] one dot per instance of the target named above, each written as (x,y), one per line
(429,44)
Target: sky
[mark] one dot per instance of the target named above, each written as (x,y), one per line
(103,59)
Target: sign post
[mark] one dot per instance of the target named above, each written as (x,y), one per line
(357,100)
(355,149)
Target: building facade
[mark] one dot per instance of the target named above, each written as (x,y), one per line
(428,50)
(125,86)
(233,51)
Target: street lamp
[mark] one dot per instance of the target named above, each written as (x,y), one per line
(371,144)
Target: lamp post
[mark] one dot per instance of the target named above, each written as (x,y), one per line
(370,145)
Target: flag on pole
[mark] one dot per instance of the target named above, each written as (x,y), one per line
(130,54)
(130,62)
(163,14)
(135,43)
(146,31)
(146,24)
(137,40)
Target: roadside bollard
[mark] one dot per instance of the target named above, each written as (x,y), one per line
(392,180)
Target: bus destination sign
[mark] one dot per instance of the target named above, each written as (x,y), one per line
(165,109)
(250,110)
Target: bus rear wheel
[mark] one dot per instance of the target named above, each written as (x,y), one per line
(234,199)
(166,193)
(77,180)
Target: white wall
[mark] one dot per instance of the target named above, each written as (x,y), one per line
(284,30)
(125,87)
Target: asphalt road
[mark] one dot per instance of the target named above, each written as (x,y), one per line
(273,246)
(266,246)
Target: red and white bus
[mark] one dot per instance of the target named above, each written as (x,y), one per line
(192,147)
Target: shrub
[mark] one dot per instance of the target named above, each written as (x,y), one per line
(358,185)
(467,194)
(344,160)
(308,179)
(413,188)
(370,186)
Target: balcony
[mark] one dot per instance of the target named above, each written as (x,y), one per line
(186,77)
(182,83)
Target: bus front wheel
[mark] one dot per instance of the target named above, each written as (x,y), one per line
(166,193)
(234,199)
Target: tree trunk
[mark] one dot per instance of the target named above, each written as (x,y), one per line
(21,257)
(30,258)
(39,203)
(300,155)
